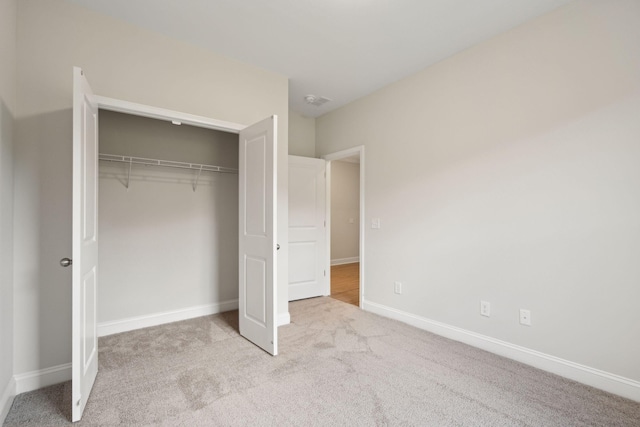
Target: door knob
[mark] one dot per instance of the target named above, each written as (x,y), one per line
(277,246)
(66,262)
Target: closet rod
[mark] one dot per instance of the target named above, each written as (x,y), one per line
(164,163)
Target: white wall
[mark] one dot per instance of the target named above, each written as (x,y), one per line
(7,114)
(509,173)
(163,246)
(124,62)
(345,206)
(302,135)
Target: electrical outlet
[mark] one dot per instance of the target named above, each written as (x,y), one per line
(375,223)
(525,317)
(397,287)
(485,308)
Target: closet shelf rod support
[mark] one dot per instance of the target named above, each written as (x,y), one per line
(129,173)
(195,185)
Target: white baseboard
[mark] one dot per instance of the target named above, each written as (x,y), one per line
(6,400)
(139,322)
(606,381)
(340,261)
(34,380)
(284,319)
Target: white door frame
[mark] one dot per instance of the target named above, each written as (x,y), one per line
(349,152)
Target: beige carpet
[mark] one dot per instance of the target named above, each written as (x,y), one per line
(338,366)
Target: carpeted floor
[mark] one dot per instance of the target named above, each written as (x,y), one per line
(338,366)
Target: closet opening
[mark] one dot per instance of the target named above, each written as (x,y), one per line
(256,233)
(168,222)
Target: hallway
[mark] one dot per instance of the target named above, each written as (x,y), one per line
(345,283)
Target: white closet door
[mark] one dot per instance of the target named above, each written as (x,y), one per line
(307,228)
(257,221)
(84,243)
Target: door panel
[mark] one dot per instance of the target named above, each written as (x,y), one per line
(307,228)
(256,271)
(257,179)
(84,243)
(256,187)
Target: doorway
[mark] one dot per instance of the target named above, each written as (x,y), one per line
(345,231)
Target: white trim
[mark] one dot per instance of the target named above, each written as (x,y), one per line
(155,319)
(606,381)
(341,261)
(7,399)
(35,380)
(135,109)
(284,319)
(349,152)
(338,155)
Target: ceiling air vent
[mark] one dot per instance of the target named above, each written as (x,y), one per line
(316,100)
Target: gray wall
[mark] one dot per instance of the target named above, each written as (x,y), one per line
(164,247)
(7,113)
(345,205)
(509,173)
(120,62)
(302,135)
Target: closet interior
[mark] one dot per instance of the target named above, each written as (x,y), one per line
(168,218)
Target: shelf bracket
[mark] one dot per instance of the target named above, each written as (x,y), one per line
(129,173)
(195,185)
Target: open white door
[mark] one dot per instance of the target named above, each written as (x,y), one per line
(257,179)
(307,228)
(84,243)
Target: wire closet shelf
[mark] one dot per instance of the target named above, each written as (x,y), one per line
(130,160)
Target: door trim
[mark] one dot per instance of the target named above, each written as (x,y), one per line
(338,155)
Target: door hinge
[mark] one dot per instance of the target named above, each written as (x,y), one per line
(325,273)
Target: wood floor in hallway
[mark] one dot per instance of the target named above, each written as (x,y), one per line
(345,283)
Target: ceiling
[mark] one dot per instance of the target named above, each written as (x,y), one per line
(338,49)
